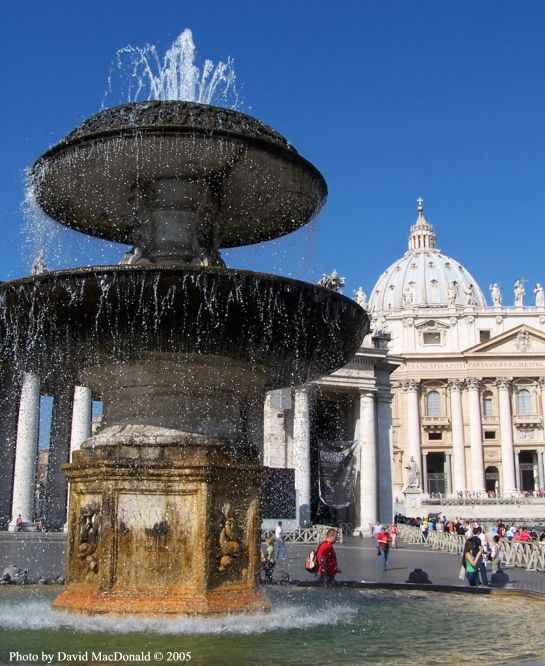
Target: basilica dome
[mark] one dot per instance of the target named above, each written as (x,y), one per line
(424,277)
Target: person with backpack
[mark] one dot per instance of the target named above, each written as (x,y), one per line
(327,558)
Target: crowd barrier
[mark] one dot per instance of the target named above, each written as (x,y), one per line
(527,555)
(314,534)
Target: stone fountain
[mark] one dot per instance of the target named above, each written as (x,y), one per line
(164,500)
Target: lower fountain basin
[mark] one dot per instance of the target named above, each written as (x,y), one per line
(287,331)
(304,627)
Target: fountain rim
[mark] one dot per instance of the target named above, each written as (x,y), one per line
(280,146)
(217,270)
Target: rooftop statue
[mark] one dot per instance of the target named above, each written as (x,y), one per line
(333,281)
(519,292)
(361,297)
(452,294)
(539,295)
(495,292)
(468,291)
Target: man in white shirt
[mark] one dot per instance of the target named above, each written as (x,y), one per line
(279,539)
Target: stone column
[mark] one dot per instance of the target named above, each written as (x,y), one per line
(301,452)
(56,487)
(508,486)
(425,472)
(541,478)
(385,457)
(448,474)
(517,471)
(458,452)
(410,386)
(82,417)
(368,462)
(476,437)
(26,452)
(9,401)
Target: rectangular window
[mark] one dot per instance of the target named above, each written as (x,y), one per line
(484,336)
(431,338)
(490,434)
(435,435)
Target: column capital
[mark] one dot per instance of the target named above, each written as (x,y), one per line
(504,383)
(367,392)
(456,384)
(473,383)
(541,383)
(410,384)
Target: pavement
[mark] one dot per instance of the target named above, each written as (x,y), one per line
(357,558)
(44,553)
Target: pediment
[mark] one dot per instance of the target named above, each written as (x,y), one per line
(431,325)
(520,341)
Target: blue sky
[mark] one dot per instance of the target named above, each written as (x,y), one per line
(390,100)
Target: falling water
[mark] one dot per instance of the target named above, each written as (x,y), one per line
(175,76)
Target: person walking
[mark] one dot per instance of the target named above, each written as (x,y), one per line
(267,560)
(327,558)
(279,541)
(383,544)
(470,562)
(480,545)
(496,555)
(393,533)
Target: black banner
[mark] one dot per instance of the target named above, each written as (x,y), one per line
(337,472)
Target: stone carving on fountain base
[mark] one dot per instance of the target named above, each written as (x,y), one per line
(179,531)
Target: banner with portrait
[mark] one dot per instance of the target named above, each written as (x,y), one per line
(337,471)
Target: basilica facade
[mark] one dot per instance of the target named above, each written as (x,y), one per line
(469,394)
(445,398)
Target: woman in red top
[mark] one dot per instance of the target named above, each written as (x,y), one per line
(327,558)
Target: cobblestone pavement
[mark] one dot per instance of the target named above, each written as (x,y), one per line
(359,562)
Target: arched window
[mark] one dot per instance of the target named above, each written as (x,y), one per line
(524,402)
(433,404)
(488,403)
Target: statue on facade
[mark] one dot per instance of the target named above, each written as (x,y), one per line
(495,292)
(469,297)
(38,265)
(333,281)
(134,257)
(519,292)
(539,295)
(413,474)
(452,294)
(361,297)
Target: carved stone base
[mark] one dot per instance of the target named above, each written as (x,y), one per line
(162,529)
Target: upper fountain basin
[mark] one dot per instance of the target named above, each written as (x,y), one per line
(60,322)
(243,181)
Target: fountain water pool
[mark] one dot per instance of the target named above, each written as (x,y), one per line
(305,626)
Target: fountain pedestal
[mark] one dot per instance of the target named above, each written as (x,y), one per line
(163,529)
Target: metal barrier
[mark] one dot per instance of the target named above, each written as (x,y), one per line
(526,555)
(314,534)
